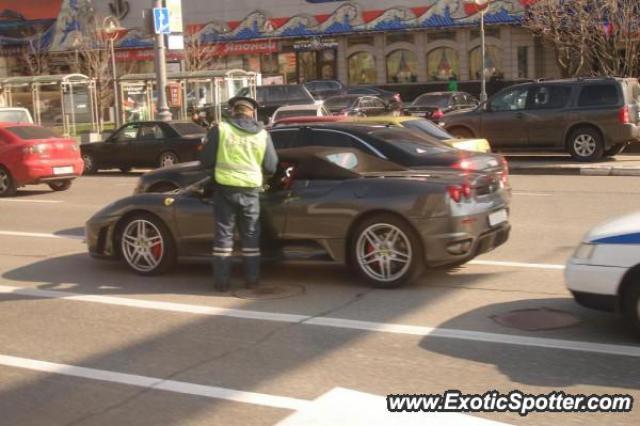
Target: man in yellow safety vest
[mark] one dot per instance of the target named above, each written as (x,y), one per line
(243,151)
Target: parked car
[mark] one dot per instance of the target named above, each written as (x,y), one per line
(435,105)
(322,89)
(31,155)
(604,271)
(315,110)
(272,97)
(402,146)
(589,118)
(144,144)
(392,98)
(429,129)
(400,222)
(357,105)
(15,115)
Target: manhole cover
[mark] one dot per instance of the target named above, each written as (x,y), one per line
(267,292)
(536,319)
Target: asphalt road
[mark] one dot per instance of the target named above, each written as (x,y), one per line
(87,342)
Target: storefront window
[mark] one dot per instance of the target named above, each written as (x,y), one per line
(269,64)
(401,66)
(327,63)
(287,66)
(442,63)
(362,68)
(493,63)
(306,66)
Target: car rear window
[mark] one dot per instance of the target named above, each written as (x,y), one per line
(14,116)
(184,129)
(441,101)
(296,113)
(598,95)
(31,133)
(406,147)
(339,102)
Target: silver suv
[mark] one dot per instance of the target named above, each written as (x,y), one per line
(589,118)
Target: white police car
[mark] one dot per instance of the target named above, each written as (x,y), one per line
(604,271)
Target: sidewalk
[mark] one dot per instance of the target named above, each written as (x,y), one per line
(546,164)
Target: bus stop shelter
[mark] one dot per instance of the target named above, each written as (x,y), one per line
(185,91)
(67,102)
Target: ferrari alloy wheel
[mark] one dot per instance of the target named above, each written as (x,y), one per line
(386,251)
(7,187)
(146,246)
(168,159)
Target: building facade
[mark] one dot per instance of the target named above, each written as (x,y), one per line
(357,41)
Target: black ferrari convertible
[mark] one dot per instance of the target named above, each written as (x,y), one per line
(384,220)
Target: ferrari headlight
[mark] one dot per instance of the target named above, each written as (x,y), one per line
(584,251)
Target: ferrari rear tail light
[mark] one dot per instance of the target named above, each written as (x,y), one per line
(623,115)
(459,193)
(505,171)
(437,114)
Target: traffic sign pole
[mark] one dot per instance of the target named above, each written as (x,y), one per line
(164,113)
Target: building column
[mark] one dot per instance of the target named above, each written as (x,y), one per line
(509,67)
(341,59)
(464,39)
(421,55)
(381,60)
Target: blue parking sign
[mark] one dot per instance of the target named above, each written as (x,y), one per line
(161,20)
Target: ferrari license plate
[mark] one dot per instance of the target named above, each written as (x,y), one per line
(62,170)
(496,218)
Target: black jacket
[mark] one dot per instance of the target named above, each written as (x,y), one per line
(209,152)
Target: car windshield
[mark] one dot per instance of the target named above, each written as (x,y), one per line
(429,128)
(14,116)
(339,102)
(429,100)
(406,147)
(31,132)
(184,129)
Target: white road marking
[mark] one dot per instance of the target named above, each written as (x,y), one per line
(540,342)
(533,194)
(40,235)
(37,201)
(518,264)
(342,406)
(156,383)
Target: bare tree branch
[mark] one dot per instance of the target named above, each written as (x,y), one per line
(590,37)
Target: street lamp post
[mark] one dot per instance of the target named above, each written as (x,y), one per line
(111,28)
(164,114)
(484,4)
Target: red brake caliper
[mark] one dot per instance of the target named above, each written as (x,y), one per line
(369,249)
(156,250)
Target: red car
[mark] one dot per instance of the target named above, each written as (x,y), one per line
(31,154)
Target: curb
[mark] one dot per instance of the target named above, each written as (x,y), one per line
(515,169)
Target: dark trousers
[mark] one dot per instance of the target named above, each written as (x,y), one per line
(233,206)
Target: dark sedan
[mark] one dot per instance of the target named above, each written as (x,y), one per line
(393,99)
(383,220)
(144,144)
(435,105)
(405,147)
(357,106)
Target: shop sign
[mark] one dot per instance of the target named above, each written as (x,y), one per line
(144,55)
(315,43)
(246,48)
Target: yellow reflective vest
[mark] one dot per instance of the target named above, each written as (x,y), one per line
(239,157)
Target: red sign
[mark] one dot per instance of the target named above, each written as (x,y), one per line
(142,55)
(174,92)
(259,47)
